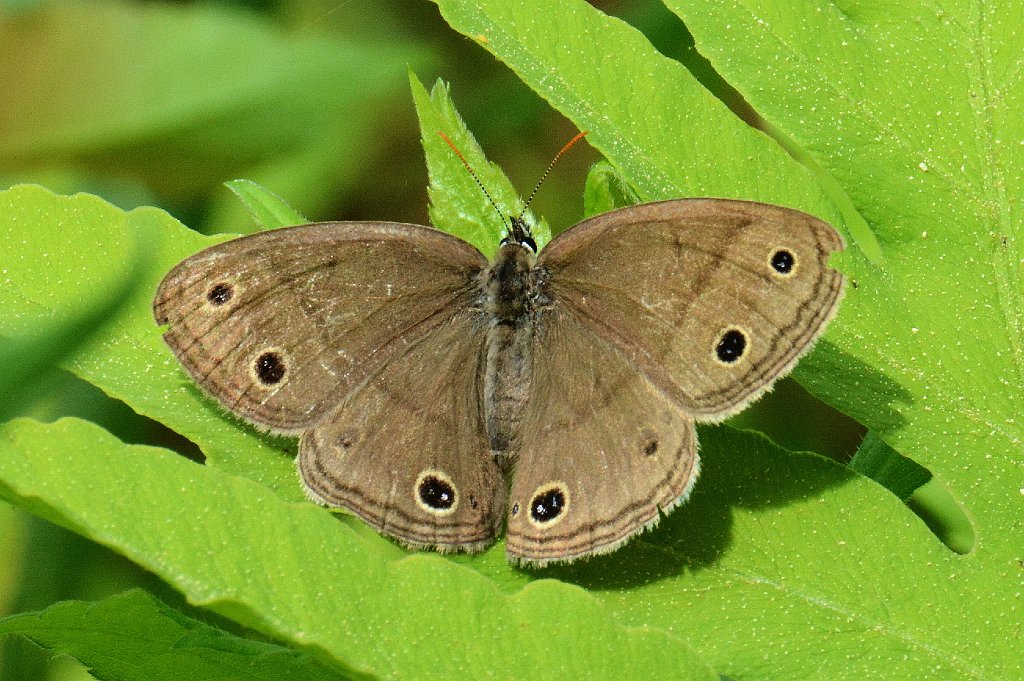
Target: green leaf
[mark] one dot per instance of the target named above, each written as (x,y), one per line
(31,356)
(933,338)
(927,349)
(61,248)
(889,468)
(641,109)
(180,97)
(783,555)
(458,205)
(940,510)
(781,566)
(134,637)
(606,189)
(293,572)
(268,209)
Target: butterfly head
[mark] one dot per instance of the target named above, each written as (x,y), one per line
(519,234)
(514,282)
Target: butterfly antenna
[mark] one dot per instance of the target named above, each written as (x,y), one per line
(480,184)
(551,165)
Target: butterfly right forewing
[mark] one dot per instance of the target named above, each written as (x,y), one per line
(712,299)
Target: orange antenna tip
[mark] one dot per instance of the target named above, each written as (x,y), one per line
(474,175)
(567,147)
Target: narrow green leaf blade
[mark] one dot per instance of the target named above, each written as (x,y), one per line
(607,188)
(458,205)
(269,210)
(889,468)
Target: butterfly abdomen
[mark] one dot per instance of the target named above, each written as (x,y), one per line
(507,383)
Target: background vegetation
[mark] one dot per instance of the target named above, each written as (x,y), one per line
(896,122)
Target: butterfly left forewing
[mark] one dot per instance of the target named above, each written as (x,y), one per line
(407,451)
(279,326)
(602,452)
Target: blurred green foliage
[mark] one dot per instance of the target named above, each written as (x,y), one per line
(159,104)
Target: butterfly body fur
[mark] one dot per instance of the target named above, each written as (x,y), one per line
(439,396)
(514,296)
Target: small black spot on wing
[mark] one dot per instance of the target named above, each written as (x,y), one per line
(220,293)
(347,439)
(269,368)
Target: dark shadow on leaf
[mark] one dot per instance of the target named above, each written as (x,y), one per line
(854,388)
(739,469)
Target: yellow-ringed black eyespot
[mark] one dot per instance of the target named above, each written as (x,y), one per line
(436,493)
(549,504)
(731,346)
(783,261)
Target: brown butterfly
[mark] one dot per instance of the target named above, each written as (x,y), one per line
(438,395)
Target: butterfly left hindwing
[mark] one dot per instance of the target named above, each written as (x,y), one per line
(407,451)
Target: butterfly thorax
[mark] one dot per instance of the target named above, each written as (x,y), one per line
(514,293)
(513,283)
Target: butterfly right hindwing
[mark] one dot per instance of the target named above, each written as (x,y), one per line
(602,451)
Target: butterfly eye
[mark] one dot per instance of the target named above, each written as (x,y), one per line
(269,368)
(783,262)
(731,346)
(549,504)
(435,493)
(527,242)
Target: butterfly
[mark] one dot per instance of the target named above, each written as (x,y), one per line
(440,396)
